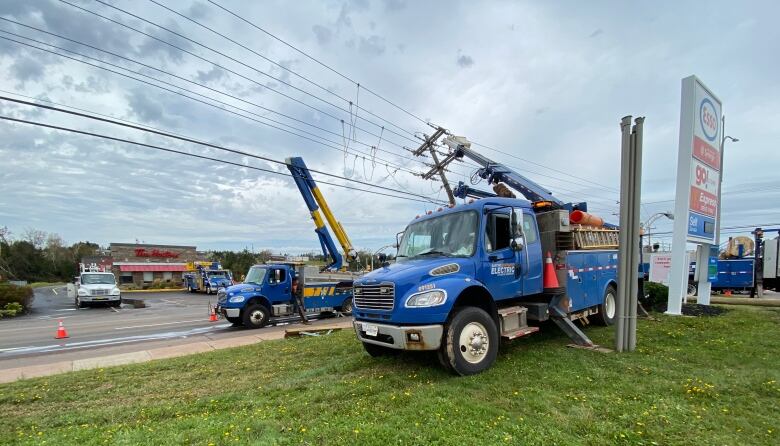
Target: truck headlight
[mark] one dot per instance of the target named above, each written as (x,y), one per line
(429,298)
(236,299)
(83,292)
(115,291)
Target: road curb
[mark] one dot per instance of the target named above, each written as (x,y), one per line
(162,290)
(196,347)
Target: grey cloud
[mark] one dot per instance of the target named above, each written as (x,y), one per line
(372,46)
(324,35)
(214,74)
(198,10)
(26,69)
(465,61)
(394,5)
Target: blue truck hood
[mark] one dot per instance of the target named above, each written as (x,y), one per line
(243,288)
(414,272)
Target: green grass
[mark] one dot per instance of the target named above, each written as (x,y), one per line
(691,381)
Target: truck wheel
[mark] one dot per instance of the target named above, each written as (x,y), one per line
(346,307)
(79,303)
(608,307)
(192,290)
(692,289)
(470,342)
(255,316)
(377,350)
(117,304)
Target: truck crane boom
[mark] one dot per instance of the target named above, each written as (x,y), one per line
(316,203)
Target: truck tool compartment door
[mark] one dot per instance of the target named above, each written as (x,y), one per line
(501,269)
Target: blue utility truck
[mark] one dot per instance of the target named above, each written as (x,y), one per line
(206,277)
(282,290)
(467,276)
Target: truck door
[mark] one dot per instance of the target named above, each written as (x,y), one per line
(500,270)
(531,256)
(278,289)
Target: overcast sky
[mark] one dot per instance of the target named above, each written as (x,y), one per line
(546,83)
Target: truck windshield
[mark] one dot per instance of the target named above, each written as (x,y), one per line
(217,274)
(449,235)
(97,279)
(256,275)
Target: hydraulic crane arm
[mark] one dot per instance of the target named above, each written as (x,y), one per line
(316,203)
(496,173)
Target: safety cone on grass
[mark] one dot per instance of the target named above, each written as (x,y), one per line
(550,279)
(61,333)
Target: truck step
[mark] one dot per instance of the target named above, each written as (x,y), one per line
(520,332)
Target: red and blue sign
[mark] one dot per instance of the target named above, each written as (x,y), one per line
(708,119)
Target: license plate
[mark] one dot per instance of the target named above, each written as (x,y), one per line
(99,298)
(371,329)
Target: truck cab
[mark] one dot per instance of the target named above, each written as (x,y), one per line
(207,277)
(280,290)
(467,274)
(94,287)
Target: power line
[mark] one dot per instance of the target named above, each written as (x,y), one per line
(181,138)
(227,69)
(151,146)
(377,95)
(357,105)
(335,147)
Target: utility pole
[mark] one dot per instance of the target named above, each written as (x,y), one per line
(438,167)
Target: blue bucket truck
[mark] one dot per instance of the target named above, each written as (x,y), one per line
(206,277)
(467,276)
(281,290)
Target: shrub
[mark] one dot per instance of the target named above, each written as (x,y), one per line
(657,296)
(15,299)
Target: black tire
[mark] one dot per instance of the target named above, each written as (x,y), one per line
(693,289)
(117,304)
(346,307)
(79,303)
(377,350)
(236,321)
(192,290)
(607,308)
(255,316)
(469,359)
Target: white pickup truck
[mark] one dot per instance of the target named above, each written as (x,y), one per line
(94,287)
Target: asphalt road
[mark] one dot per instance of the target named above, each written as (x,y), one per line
(170,316)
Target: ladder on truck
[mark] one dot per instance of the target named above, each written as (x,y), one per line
(586,237)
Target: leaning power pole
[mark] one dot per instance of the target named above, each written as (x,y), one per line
(438,167)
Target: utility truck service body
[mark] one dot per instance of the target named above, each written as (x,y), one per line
(468,275)
(206,277)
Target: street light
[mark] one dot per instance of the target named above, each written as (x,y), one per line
(652,220)
(720,183)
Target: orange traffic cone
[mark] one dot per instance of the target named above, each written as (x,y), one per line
(61,333)
(727,293)
(212,314)
(550,280)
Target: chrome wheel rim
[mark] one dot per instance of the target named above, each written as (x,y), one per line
(473,342)
(609,305)
(257,317)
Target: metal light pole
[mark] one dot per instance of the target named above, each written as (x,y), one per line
(720,184)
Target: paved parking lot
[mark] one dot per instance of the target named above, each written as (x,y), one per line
(171,318)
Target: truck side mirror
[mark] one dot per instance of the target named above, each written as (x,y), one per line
(382,257)
(398,239)
(277,275)
(518,243)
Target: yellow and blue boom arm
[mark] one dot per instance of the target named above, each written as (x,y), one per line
(316,203)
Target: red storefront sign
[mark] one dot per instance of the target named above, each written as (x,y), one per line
(141,252)
(703,202)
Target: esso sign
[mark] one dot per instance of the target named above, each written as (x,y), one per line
(708,119)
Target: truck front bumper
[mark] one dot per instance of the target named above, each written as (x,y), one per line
(229,312)
(416,337)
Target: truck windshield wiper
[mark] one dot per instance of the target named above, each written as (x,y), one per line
(433,252)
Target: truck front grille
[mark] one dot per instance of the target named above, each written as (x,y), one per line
(375,297)
(99,292)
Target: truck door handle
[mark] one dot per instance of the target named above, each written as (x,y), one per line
(286,290)
(492,258)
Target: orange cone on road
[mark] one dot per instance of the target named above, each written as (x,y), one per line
(61,333)
(212,314)
(550,280)
(727,293)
